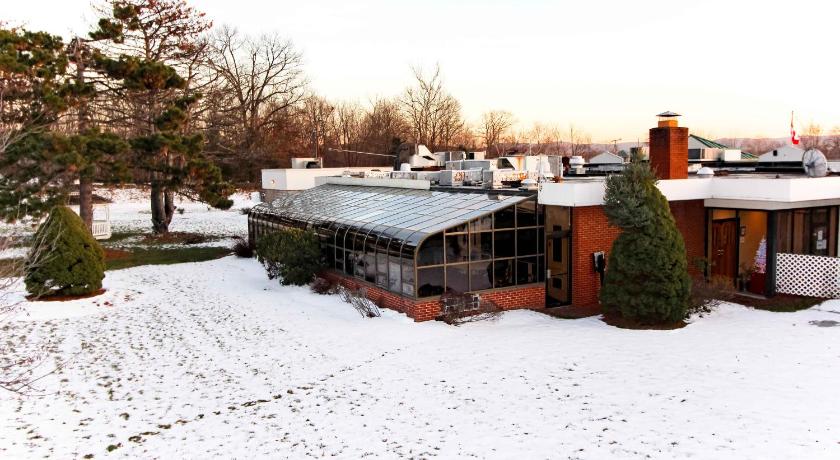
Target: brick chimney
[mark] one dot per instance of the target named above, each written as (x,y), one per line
(669,148)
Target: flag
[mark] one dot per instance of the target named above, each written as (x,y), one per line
(794,138)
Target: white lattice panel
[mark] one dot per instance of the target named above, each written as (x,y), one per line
(813,276)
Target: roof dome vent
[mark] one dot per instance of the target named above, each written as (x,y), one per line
(706,172)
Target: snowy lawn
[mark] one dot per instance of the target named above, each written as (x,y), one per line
(212,359)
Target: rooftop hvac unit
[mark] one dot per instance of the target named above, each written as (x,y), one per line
(307,163)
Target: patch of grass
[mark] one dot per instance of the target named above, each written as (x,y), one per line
(780,303)
(156,256)
(116,237)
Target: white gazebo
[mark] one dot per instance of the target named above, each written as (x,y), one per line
(101,228)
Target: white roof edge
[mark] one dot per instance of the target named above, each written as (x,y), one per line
(574,193)
(414,184)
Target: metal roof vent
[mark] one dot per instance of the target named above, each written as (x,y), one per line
(706,172)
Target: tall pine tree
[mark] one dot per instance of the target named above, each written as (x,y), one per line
(647,273)
(141,44)
(33,95)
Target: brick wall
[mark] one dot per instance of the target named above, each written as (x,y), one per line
(591,232)
(669,152)
(424,310)
(691,221)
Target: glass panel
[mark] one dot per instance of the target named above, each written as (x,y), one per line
(431,251)
(753,241)
(457,278)
(349,262)
(526,214)
(481,246)
(526,241)
(382,269)
(429,281)
(457,249)
(458,229)
(481,276)
(408,277)
(503,273)
(527,270)
(504,244)
(370,267)
(482,224)
(394,278)
(505,218)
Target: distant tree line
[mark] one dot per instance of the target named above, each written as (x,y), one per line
(154,94)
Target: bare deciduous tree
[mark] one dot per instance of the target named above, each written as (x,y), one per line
(494,126)
(262,77)
(812,137)
(433,114)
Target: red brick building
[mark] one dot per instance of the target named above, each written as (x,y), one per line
(408,242)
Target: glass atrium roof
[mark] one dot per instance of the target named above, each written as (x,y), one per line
(406,214)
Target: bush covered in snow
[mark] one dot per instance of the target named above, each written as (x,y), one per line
(291,255)
(65,259)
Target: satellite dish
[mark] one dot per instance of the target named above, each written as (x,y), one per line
(814,163)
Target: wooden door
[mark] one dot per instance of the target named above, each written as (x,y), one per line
(725,248)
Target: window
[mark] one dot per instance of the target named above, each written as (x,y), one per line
(527,270)
(431,251)
(481,246)
(481,275)
(429,281)
(457,278)
(526,214)
(482,224)
(503,273)
(408,276)
(504,244)
(526,242)
(505,218)
(457,248)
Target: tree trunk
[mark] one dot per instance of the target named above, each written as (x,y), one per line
(169,205)
(159,223)
(85,180)
(86,201)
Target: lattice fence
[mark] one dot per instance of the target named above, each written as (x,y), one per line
(813,276)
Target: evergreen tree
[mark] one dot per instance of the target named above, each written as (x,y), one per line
(142,42)
(65,259)
(39,165)
(32,97)
(647,273)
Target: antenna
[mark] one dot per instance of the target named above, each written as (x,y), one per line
(814,163)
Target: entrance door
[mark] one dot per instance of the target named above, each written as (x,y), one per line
(557,244)
(725,248)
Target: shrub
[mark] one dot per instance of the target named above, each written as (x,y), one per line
(242,248)
(291,255)
(64,259)
(322,286)
(457,309)
(708,294)
(647,272)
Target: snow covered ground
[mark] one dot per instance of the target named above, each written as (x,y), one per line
(213,359)
(130,213)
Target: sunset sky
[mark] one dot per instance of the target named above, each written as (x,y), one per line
(733,68)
